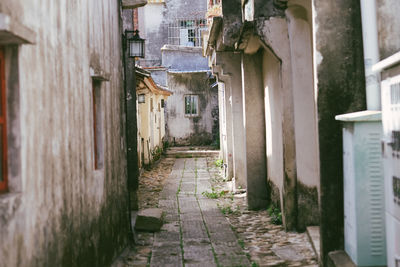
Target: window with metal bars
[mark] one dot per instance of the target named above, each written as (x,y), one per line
(186,32)
(191,105)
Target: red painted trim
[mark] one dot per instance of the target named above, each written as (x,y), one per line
(96,160)
(3,123)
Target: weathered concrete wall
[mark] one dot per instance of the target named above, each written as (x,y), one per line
(159,75)
(153,24)
(186,130)
(274,34)
(65,213)
(273,123)
(185,8)
(153,28)
(254,122)
(388,27)
(340,84)
(300,37)
(183,58)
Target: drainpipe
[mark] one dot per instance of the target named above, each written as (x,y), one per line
(371,53)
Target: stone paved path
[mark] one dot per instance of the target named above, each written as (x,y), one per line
(195,232)
(198,229)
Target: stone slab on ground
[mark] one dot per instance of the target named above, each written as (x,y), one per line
(339,259)
(288,253)
(313,236)
(149,220)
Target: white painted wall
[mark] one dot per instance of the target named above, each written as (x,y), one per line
(303,95)
(273,118)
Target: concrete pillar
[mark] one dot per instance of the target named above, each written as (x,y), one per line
(229,132)
(226,119)
(231,66)
(340,84)
(222,122)
(254,124)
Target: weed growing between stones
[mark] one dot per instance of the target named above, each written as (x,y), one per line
(241,243)
(276,214)
(214,194)
(219,163)
(149,259)
(228,210)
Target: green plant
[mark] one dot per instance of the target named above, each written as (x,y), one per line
(219,163)
(214,194)
(165,145)
(275,213)
(241,243)
(156,153)
(254,264)
(226,210)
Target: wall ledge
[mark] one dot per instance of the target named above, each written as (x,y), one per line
(13,32)
(130,4)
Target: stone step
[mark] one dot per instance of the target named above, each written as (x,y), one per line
(149,220)
(339,259)
(191,153)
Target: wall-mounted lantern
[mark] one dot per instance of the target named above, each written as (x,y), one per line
(135,44)
(141,98)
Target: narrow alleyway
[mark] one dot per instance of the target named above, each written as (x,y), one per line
(206,225)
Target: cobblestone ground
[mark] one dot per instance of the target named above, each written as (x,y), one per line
(265,243)
(197,234)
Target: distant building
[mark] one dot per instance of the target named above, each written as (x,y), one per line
(174,33)
(151,122)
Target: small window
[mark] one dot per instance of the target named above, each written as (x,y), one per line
(162,103)
(3,126)
(191,105)
(141,98)
(97,125)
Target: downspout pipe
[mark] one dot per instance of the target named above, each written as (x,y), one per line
(371,53)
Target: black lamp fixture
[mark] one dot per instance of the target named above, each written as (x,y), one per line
(135,44)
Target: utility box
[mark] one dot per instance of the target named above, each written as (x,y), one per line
(364,210)
(391,158)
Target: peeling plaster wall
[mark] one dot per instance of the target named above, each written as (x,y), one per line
(65,213)
(198,130)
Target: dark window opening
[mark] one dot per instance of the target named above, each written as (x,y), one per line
(97,125)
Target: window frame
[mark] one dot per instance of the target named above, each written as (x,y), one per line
(3,123)
(196,102)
